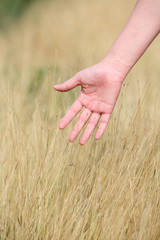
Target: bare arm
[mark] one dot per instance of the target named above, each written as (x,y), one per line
(101,83)
(138,33)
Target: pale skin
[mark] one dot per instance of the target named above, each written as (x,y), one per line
(101,83)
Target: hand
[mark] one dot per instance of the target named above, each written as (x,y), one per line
(100,88)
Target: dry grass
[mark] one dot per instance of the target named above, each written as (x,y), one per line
(52,189)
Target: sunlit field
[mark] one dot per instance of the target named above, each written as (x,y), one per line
(51,188)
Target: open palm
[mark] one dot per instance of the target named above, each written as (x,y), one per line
(100,88)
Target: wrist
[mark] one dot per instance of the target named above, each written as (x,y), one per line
(116,63)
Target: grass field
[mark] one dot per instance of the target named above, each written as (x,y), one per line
(53,189)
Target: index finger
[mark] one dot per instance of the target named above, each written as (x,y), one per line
(71,113)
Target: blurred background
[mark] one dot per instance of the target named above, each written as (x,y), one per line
(11,10)
(46,42)
(50,188)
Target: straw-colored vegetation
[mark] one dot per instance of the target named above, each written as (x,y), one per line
(50,188)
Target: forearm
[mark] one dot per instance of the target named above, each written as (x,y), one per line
(138,33)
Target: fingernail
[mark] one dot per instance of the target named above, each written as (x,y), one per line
(97,136)
(56,86)
(81,141)
(60,126)
(70,139)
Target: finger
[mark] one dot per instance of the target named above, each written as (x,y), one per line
(68,85)
(85,115)
(103,124)
(90,127)
(71,113)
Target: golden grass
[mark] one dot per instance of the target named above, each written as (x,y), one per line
(50,188)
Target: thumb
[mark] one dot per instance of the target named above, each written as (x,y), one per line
(68,85)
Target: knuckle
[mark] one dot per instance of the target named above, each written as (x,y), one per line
(73,110)
(92,124)
(81,120)
(78,76)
